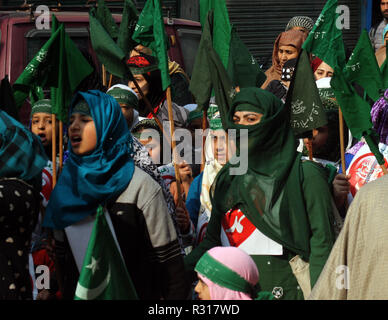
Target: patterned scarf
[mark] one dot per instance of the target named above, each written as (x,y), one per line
(21,152)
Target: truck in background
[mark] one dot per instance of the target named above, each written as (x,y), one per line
(21,40)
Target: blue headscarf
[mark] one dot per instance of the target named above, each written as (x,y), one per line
(21,152)
(90,180)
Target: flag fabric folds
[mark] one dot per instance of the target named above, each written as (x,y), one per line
(221,32)
(362,67)
(51,67)
(325,39)
(242,66)
(303,100)
(104,275)
(150,32)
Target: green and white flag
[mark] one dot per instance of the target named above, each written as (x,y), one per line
(104,275)
(303,101)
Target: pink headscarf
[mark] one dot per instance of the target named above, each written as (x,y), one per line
(238,261)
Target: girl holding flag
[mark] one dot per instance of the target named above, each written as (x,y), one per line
(100,171)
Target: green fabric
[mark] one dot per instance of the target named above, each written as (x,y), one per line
(326,93)
(220,274)
(143,70)
(51,67)
(270,192)
(363,69)
(325,39)
(127,26)
(243,69)
(208,73)
(214,116)
(195,114)
(356,111)
(275,271)
(303,99)
(82,107)
(68,78)
(105,17)
(150,32)
(108,52)
(246,106)
(43,105)
(221,29)
(124,96)
(104,275)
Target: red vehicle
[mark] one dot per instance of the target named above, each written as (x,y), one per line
(21,40)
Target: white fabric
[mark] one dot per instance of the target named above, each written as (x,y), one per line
(124,87)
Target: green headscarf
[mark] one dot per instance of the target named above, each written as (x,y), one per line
(225,277)
(270,193)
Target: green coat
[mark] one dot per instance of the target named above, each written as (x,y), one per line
(275,272)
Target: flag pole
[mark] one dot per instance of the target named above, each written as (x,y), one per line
(173,144)
(342,140)
(54,149)
(204,127)
(60,146)
(110,80)
(103,76)
(148,105)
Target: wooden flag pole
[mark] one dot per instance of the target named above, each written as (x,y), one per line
(60,146)
(110,80)
(54,149)
(103,76)
(149,107)
(173,145)
(204,127)
(342,140)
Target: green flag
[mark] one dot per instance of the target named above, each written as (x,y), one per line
(105,17)
(221,29)
(38,70)
(104,275)
(208,73)
(363,69)
(68,77)
(127,26)
(150,32)
(242,67)
(325,39)
(107,50)
(200,83)
(356,113)
(303,100)
(53,66)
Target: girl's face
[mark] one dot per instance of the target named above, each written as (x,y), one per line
(82,134)
(143,84)
(152,145)
(203,290)
(247,118)
(286,53)
(41,125)
(223,149)
(323,71)
(127,113)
